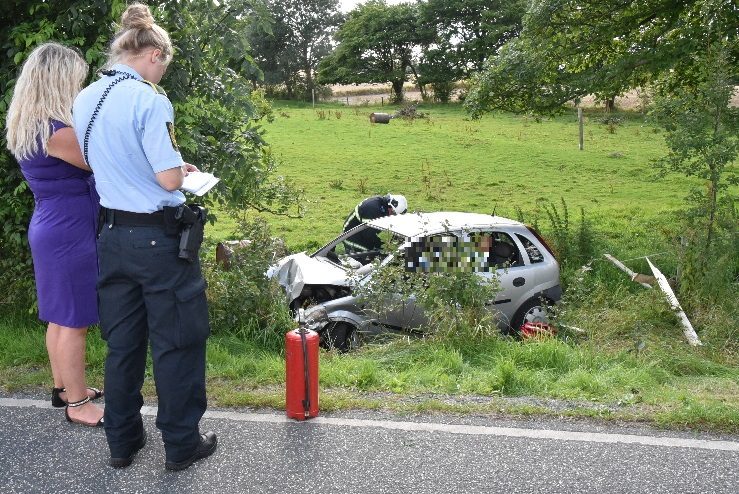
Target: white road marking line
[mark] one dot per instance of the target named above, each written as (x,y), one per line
(475,430)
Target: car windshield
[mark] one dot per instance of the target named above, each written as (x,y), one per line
(362,248)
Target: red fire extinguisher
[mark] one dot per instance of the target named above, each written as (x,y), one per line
(301,374)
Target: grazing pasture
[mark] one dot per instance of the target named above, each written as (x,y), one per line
(499,164)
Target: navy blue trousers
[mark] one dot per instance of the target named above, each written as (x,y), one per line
(146,295)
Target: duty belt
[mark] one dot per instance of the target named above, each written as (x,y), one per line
(127,218)
(187,221)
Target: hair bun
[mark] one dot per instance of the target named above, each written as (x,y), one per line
(137,16)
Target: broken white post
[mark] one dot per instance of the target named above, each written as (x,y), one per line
(626,270)
(688,330)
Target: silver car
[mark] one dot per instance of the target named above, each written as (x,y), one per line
(319,286)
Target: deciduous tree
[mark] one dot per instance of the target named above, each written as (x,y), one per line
(376,45)
(570,48)
(702,131)
(467,32)
(300,36)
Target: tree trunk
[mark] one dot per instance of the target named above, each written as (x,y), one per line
(712,186)
(715,177)
(421,87)
(289,89)
(308,80)
(610,104)
(397,94)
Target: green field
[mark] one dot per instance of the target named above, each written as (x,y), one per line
(448,162)
(629,361)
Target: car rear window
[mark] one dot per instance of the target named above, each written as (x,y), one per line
(534,253)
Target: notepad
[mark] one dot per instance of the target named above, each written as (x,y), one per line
(199,183)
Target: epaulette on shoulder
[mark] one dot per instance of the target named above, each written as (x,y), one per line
(155,87)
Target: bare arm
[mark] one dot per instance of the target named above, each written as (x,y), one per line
(63,145)
(171,179)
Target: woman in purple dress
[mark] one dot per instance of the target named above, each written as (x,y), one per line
(63,227)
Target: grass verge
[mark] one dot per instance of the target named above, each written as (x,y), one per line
(664,386)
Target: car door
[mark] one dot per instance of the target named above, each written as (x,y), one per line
(402,311)
(502,260)
(512,270)
(431,253)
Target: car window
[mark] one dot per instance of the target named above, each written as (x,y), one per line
(502,250)
(534,253)
(434,253)
(473,252)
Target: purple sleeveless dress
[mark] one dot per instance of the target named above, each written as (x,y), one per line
(62,238)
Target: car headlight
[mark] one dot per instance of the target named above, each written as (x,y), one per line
(313,319)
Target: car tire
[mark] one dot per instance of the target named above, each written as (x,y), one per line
(341,336)
(535,309)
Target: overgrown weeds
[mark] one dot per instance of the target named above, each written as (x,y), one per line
(574,245)
(241,300)
(362,185)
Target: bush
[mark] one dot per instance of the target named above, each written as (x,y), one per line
(456,305)
(454,302)
(442,91)
(409,112)
(218,114)
(571,247)
(242,301)
(298,92)
(708,275)
(16,206)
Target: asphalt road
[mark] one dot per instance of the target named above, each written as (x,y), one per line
(368,452)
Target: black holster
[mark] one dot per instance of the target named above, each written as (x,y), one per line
(189,221)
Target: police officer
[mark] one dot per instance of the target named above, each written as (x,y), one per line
(124,123)
(370,209)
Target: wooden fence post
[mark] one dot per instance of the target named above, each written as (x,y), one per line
(581,124)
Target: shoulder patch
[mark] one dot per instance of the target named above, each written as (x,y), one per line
(155,87)
(170,131)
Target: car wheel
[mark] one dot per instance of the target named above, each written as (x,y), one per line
(535,310)
(342,336)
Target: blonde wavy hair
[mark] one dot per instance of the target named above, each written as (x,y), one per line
(137,32)
(49,81)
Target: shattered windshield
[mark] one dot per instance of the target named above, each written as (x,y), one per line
(363,247)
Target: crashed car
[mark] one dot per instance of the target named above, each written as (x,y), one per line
(319,286)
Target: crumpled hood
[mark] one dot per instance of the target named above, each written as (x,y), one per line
(295,271)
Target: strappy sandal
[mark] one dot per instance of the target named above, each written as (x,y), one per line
(58,402)
(76,404)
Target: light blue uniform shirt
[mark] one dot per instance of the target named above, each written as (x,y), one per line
(129,142)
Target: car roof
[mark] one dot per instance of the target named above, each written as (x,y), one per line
(418,224)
